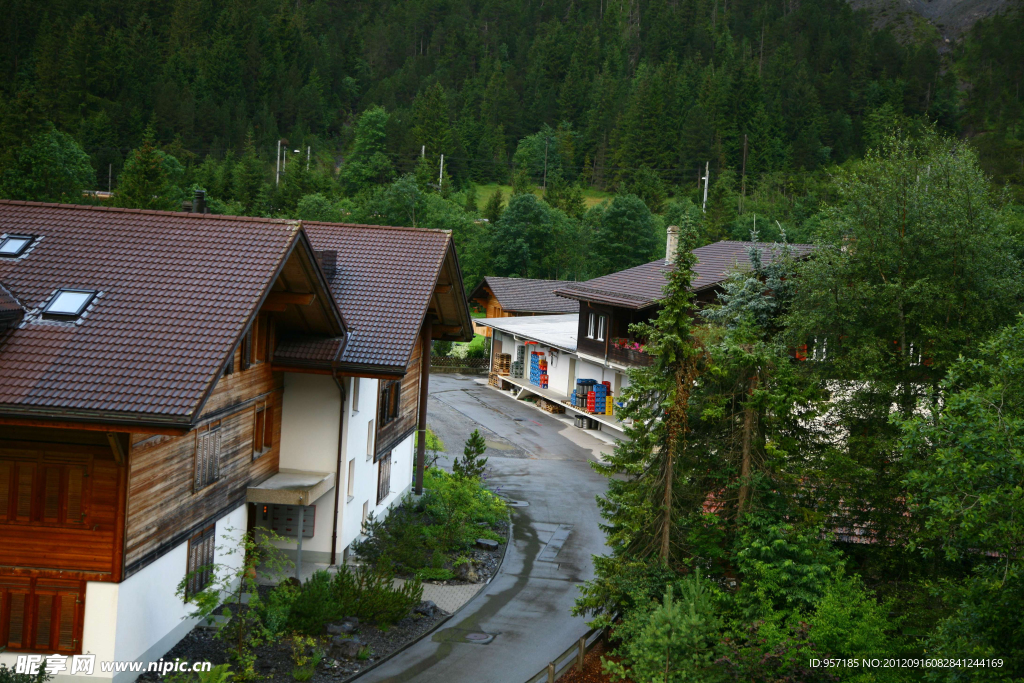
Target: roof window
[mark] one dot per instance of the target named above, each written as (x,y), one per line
(68,303)
(14,245)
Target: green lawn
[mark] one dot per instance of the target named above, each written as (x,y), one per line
(484,192)
(477,343)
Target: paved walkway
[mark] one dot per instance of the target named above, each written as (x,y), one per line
(448,598)
(539,460)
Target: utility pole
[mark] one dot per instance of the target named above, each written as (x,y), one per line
(440,175)
(309,149)
(546,141)
(423,151)
(277,181)
(110,176)
(743,176)
(704,206)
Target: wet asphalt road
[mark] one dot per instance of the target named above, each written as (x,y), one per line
(539,460)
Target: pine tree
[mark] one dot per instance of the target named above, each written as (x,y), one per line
(247,175)
(641,508)
(494,207)
(472,463)
(144,182)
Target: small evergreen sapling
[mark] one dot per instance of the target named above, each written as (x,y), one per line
(472,464)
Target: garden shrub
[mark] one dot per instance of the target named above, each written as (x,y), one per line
(453,512)
(315,605)
(278,606)
(10,676)
(432,574)
(367,594)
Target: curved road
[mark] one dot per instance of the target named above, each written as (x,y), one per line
(544,462)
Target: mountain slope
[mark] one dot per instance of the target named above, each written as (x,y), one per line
(952,18)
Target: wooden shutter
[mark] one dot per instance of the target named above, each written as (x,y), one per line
(247,350)
(213,438)
(73,505)
(68,618)
(44,620)
(257,430)
(6,470)
(16,619)
(26,479)
(51,493)
(268,427)
(383,478)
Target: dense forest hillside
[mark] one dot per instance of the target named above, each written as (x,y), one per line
(578,96)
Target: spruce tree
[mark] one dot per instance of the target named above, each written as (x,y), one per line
(494,206)
(640,509)
(472,463)
(144,182)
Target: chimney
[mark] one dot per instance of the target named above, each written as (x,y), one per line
(328,260)
(671,243)
(199,202)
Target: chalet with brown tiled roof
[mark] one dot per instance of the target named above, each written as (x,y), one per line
(596,345)
(170,380)
(508,297)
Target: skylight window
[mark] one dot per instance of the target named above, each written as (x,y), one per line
(14,245)
(68,303)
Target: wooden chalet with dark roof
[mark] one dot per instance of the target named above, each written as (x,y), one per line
(507,297)
(611,303)
(160,371)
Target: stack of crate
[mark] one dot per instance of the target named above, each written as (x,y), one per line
(518,366)
(598,404)
(584,387)
(550,406)
(538,369)
(503,363)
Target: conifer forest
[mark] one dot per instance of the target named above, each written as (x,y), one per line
(764,513)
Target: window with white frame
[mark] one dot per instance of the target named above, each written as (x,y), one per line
(601,325)
(369,440)
(355,395)
(591,325)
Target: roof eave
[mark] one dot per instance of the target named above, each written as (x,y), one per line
(103,417)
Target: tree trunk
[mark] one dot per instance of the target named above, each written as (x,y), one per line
(667,523)
(749,418)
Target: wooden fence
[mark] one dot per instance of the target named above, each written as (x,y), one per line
(571,657)
(465,365)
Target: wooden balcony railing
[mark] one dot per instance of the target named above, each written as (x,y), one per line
(626,356)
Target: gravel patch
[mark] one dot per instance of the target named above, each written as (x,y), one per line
(274,661)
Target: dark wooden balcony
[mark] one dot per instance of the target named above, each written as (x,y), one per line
(628,355)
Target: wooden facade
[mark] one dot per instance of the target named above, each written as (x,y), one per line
(391,432)
(616,325)
(61,524)
(489,304)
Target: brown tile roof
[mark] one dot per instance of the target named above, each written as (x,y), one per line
(522,295)
(175,293)
(642,286)
(11,311)
(383,282)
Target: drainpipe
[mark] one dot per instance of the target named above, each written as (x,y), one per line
(421,436)
(337,473)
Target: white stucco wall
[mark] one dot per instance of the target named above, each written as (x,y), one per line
(310,414)
(151,618)
(358,441)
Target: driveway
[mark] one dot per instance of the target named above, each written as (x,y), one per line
(545,463)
